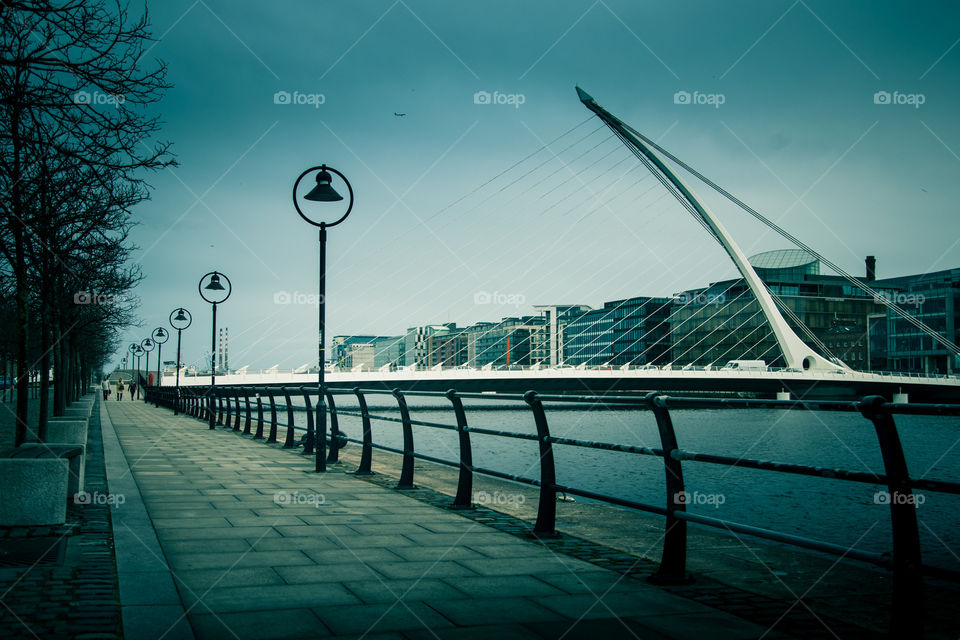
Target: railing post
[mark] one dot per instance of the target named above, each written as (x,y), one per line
(259,433)
(464,497)
(236,408)
(673,559)
(219,407)
(406,472)
(308,443)
(907,610)
(289,440)
(334,456)
(366,454)
(273,418)
(246,404)
(545,526)
(228,414)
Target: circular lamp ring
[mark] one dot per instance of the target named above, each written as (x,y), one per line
(218,275)
(296,204)
(188,318)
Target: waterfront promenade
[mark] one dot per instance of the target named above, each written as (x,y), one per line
(259,546)
(217,535)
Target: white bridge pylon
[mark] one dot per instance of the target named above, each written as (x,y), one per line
(797,354)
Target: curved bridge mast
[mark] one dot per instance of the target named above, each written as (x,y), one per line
(796,353)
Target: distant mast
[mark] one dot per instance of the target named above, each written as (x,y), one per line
(796,353)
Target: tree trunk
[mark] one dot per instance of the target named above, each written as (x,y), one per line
(44,382)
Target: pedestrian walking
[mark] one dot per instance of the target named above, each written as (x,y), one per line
(133,389)
(120,389)
(106,388)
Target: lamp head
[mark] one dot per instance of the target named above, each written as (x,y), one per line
(180,317)
(214,284)
(323,192)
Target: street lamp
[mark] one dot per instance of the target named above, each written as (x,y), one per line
(180,319)
(323,191)
(148,346)
(215,294)
(136,350)
(159,336)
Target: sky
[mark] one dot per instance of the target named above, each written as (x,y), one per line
(837,120)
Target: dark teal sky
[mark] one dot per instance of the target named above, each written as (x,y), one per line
(798,136)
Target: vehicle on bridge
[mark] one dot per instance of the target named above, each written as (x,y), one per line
(745,365)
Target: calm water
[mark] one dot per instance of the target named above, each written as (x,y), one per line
(840,512)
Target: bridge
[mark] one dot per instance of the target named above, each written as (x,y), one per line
(829,384)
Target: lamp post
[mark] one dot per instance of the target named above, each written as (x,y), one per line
(147,345)
(216,294)
(180,319)
(159,336)
(133,354)
(323,191)
(137,352)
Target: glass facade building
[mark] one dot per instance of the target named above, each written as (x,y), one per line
(932,298)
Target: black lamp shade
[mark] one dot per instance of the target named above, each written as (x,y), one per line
(214,284)
(159,332)
(180,317)
(323,192)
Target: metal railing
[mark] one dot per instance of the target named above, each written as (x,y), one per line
(904,559)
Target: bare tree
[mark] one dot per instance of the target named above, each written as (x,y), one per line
(74,85)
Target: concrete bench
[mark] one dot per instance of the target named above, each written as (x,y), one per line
(64,431)
(37,481)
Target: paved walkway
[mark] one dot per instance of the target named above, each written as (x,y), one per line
(261,547)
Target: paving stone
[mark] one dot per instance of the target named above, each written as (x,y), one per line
(385,590)
(234,560)
(259,625)
(270,597)
(485,611)
(366,620)
(502,586)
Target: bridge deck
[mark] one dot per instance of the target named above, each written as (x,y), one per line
(367,561)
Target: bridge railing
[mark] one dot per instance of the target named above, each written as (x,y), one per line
(260,414)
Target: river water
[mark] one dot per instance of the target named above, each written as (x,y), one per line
(845,513)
